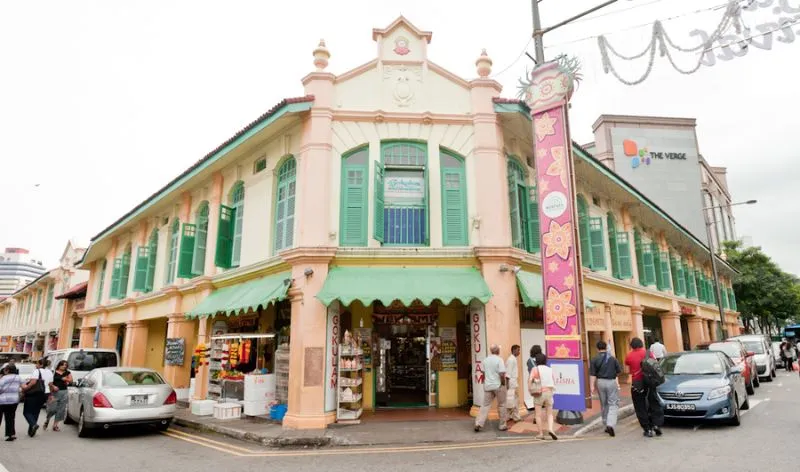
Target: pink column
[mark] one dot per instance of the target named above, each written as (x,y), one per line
(213,222)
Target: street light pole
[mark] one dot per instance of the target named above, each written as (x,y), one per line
(538,32)
(722,332)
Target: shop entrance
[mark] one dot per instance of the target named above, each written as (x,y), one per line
(402,367)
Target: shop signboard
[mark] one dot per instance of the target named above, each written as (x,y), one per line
(174,351)
(621,318)
(548,91)
(332,356)
(449,349)
(569,385)
(477,315)
(595,318)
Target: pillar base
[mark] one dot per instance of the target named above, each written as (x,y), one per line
(309,421)
(567,417)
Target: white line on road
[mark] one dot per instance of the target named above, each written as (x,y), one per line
(3,469)
(754,402)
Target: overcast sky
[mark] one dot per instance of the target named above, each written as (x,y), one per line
(102,103)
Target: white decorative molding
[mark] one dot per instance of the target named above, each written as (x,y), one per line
(404,81)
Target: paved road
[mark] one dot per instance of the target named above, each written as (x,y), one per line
(767,438)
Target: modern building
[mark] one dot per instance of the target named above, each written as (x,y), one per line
(661,157)
(17,268)
(31,316)
(393,205)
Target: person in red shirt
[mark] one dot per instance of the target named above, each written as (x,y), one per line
(645,402)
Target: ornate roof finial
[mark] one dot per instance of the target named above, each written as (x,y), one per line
(321,56)
(484,64)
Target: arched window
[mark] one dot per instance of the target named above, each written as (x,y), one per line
(121,273)
(354,204)
(583,230)
(229,229)
(620,249)
(523,208)
(200,241)
(101,281)
(237,201)
(284,205)
(173,251)
(454,199)
(401,194)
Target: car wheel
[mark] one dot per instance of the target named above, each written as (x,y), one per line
(774,374)
(735,419)
(750,389)
(756,381)
(768,378)
(83,431)
(746,404)
(162,427)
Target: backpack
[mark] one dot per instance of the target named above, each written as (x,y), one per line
(653,375)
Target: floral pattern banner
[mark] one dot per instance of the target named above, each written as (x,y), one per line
(556,219)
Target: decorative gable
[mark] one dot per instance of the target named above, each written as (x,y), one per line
(402,42)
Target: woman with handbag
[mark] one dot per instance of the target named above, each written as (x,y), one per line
(35,391)
(57,406)
(542,386)
(10,384)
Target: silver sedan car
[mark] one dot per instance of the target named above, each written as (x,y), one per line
(121,396)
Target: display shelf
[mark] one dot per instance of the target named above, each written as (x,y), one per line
(351,369)
(351,352)
(350,415)
(348,382)
(351,375)
(355,398)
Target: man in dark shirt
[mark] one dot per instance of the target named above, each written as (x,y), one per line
(603,370)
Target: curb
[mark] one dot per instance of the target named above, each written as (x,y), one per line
(268,441)
(597,423)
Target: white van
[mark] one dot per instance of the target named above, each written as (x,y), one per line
(81,361)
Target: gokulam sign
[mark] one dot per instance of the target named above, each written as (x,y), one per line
(621,318)
(332,357)
(477,316)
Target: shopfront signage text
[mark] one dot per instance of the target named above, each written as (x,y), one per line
(332,356)
(621,318)
(478,336)
(595,318)
(687,310)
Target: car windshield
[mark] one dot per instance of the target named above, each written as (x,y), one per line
(705,363)
(755,346)
(731,349)
(128,378)
(85,361)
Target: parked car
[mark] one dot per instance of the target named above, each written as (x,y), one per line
(121,396)
(776,354)
(81,361)
(758,344)
(736,351)
(703,385)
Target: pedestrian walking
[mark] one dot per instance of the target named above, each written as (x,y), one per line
(645,402)
(494,388)
(535,349)
(57,405)
(658,349)
(36,391)
(789,353)
(542,386)
(10,386)
(513,375)
(604,370)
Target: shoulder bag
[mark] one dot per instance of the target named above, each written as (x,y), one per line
(535,383)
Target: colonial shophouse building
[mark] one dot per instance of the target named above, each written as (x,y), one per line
(394,203)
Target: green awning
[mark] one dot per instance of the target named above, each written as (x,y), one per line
(530,290)
(405,284)
(241,297)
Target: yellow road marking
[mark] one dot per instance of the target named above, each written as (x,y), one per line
(243,452)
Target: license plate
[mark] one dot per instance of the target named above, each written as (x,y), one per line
(138,400)
(681,406)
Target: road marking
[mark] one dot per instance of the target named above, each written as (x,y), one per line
(754,402)
(237,451)
(3,469)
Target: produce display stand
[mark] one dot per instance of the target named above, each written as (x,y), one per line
(226,384)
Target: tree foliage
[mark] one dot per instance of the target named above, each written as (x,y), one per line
(764,293)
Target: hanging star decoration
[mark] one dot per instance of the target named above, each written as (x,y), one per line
(558,240)
(559,308)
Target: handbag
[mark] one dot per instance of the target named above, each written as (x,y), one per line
(535,384)
(38,387)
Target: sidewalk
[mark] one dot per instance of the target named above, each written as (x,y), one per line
(452,426)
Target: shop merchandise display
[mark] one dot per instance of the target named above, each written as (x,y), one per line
(351,380)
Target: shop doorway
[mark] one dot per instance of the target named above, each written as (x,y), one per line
(403,379)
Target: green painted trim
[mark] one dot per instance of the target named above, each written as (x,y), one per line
(513,108)
(288,108)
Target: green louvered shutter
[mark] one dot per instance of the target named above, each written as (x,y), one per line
(222,258)
(584,234)
(140,272)
(378,230)
(515,212)
(454,211)
(152,253)
(734,306)
(597,238)
(624,254)
(200,242)
(353,231)
(701,282)
(125,272)
(533,221)
(665,272)
(613,248)
(637,241)
(724,295)
(649,265)
(691,283)
(115,276)
(186,254)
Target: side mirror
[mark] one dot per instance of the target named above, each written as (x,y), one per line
(750,353)
(737,369)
